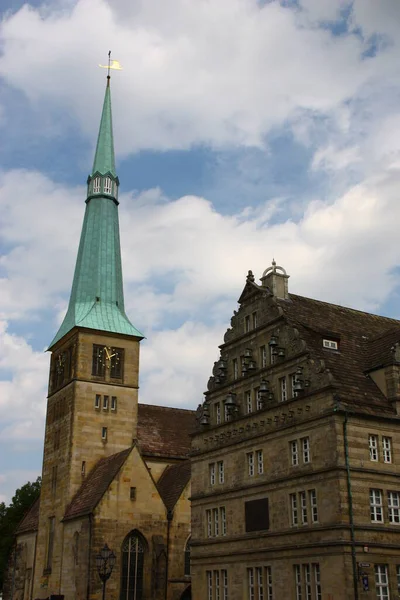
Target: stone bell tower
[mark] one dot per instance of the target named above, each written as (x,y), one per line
(93,383)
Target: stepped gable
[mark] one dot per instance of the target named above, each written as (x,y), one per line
(165,432)
(30,522)
(95,485)
(355,331)
(172,483)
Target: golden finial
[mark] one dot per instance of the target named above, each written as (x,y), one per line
(112,64)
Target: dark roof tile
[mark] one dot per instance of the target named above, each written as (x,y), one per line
(164,431)
(172,483)
(30,522)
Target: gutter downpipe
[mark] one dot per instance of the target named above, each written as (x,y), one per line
(170,516)
(351,516)
(90,516)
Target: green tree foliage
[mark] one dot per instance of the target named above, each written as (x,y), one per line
(11,516)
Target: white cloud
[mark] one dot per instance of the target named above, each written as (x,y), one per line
(216,73)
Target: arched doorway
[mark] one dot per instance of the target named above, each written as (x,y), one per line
(187,594)
(132,554)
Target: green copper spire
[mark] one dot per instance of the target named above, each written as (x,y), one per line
(97,297)
(104,160)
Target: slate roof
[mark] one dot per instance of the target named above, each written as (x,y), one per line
(165,432)
(95,485)
(357,333)
(172,483)
(30,522)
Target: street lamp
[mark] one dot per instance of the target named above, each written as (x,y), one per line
(105,562)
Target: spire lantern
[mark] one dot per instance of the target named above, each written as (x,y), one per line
(97,297)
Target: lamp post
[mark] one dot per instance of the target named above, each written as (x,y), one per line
(105,562)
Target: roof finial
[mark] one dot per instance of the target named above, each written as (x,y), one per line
(112,64)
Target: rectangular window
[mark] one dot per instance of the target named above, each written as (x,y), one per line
(216,521)
(394,507)
(209,523)
(292,385)
(209,586)
(96,185)
(293,507)
(382,582)
(272,355)
(250,464)
(283,389)
(98,362)
(247,324)
(216,584)
(222,514)
(116,363)
(260,582)
(221,474)
(263,356)
(305,444)
(250,584)
(224,577)
(107,185)
(211,468)
(97,401)
(249,402)
(256,514)
(218,413)
(307,581)
(113,402)
(226,413)
(83,468)
(268,579)
(297,582)
(105,402)
(104,433)
(254,319)
(294,453)
(303,507)
(260,462)
(331,344)
(50,543)
(313,505)
(259,402)
(373,447)
(235,368)
(387,449)
(375,498)
(317,581)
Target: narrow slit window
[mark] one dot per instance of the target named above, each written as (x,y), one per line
(107,185)
(113,402)
(97,401)
(104,433)
(105,402)
(96,185)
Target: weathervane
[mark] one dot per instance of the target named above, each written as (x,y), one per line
(112,64)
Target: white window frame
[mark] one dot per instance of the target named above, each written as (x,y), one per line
(312,494)
(96,185)
(303,507)
(376,508)
(297,582)
(250,464)
(259,403)
(307,581)
(305,445)
(254,319)
(294,509)
(260,581)
(268,579)
(221,471)
(294,452)
(212,472)
(272,356)
(216,522)
(382,582)
(235,367)
(317,581)
(263,356)
(292,384)
(330,344)
(260,462)
(216,583)
(209,585)
(226,413)
(387,449)
(373,447)
(283,389)
(218,413)
(114,403)
(209,523)
(105,402)
(250,583)
(107,185)
(97,401)
(224,577)
(247,324)
(249,402)
(104,433)
(222,514)
(394,507)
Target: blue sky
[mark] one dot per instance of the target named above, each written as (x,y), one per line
(243,130)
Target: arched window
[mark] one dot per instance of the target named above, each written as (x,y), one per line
(187,558)
(107,185)
(96,185)
(133,550)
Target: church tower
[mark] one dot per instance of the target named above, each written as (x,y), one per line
(93,383)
